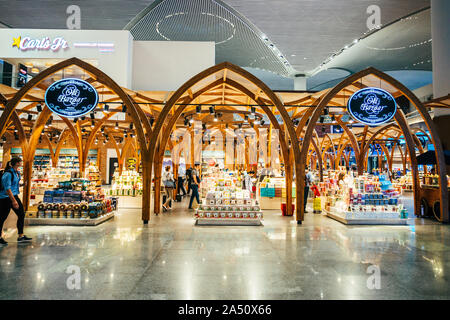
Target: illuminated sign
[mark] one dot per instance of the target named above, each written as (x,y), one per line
(71,97)
(47,44)
(372,106)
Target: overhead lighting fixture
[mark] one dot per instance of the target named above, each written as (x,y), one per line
(152,120)
(191,120)
(102,129)
(117,126)
(75,120)
(211,109)
(131,126)
(198,109)
(92,124)
(106,107)
(215,118)
(253,110)
(124,108)
(39,107)
(92,114)
(262,122)
(30,117)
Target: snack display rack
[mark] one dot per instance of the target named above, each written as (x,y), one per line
(362,200)
(225,203)
(73,202)
(272,192)
(129,183)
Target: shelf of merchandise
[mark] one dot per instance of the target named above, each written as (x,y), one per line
(225,203)
(127,184)
(272,192)
(94,176)
(69,221)
(361,201)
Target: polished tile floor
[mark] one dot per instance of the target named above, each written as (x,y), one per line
(172,259)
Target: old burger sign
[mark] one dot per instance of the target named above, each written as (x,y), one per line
(45,43)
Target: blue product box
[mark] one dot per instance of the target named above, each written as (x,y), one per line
(57,199)
(48,193)
(48,199)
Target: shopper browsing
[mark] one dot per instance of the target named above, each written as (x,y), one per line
(169,185)
(195,182)
(181,179)
(9,198)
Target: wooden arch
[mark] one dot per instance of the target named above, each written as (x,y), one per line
(262,87)
(401,120)
(98,76)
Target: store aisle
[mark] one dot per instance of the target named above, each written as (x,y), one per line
(173,259)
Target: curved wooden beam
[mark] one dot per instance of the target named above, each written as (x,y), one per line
(326,98)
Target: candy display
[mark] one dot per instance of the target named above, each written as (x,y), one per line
(75,199)
(81,210)
(363,197)
(129,183)
(224,198)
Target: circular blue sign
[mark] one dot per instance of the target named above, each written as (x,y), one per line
(71,97)
(372,106)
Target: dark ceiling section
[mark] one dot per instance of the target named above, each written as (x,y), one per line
(51,14)
(314,29)
(307,32)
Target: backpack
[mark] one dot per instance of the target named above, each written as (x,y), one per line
(2,172)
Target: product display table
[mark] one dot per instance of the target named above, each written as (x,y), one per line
(69,221)
(372,219)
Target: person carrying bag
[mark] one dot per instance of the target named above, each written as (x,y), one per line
(9,199)
(169,185)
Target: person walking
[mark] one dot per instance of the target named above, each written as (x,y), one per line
(189,179)
(9,199)
(308,182)
(169,185)
(181,179)
(195,182)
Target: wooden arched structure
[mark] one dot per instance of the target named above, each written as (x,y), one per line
(230,75)
(387,81)
(29,147)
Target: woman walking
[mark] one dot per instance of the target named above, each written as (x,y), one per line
(169,185)
(9,199)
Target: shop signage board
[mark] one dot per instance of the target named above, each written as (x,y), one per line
(71,97)
(131,163)
(45,43)
(372,106)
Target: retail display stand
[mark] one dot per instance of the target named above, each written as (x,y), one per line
(225,203)
(364,200)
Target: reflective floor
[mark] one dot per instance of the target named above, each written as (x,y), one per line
(172,259)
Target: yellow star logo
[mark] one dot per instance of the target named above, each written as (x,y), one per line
(16,42)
